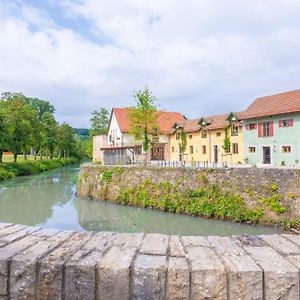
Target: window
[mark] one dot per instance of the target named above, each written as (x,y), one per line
(204,133)
(203,149)
(252,149)
(177,135)
(235,148)
(138,150)
(191,149)
(286,149)
(286,123)
(251,126)
(173,149)
(218,133)
(190,136)
(265,129)
(234,130)
(110,138)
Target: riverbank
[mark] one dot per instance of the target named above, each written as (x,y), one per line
(12,170)
(253,196)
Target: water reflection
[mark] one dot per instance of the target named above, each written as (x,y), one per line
(49,200)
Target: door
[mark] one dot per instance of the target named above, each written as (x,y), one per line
(216,154)
(157,152)
(266,155)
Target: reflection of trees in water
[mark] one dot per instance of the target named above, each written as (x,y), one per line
(29,200)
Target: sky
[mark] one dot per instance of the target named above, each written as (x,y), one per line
(198,57)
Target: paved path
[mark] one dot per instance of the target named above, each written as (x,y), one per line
(51,264)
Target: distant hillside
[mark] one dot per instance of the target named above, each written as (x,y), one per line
(82,133)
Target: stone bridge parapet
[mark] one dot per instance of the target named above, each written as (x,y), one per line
(51,264)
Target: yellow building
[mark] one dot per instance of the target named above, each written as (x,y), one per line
(215,139)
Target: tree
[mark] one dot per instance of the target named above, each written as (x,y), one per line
(65,140)
(49,133)
(4,128)
(99,121)
(143,117)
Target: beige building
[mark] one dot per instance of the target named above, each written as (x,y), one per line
(204,138)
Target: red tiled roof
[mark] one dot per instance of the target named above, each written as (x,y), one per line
(282,103)
(165,120)
(215,122)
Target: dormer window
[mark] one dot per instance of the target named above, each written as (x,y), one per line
(234,130)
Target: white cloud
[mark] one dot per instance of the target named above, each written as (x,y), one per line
(199,57)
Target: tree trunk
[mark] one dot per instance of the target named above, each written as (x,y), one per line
(24,155)
(15,156)
(41,155)
(1,155)
(59,154)
(35,154)
(51,154)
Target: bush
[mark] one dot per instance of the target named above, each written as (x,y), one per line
(11,170)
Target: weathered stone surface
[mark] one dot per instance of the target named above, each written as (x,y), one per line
(245,278)
(80,275)
(149,277)
(50,275)
(128,240)
(195,241)
(208,274)
(225,246)
(11,229)
(154,243)
(178,283)
(292,237)
(281,279)
(113,273)
(176,248)
(281,244)
(23,267)
(6,253)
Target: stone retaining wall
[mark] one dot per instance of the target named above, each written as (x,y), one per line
(52,264)
(250,183)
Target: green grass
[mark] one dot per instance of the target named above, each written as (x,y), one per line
(10,158)
(30,167)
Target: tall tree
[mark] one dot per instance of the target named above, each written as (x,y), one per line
(65,140)
(4,128)
(49,133)
(143,117)
(99,121)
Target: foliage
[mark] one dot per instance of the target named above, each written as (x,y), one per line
(143,117)
(11,170)
(99,121)
(183,142)
(106,175)
(227,143)
(273,202)
(206,201)
(28,125)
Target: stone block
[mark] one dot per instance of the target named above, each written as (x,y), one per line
(195,241)
(208,274)
(178,283)
(245,278)
(11,229)
(50,275)
(114,274)
(80,275)
(225,246)
(23,267)
(149,277)
(281,244)
(5,255)
(156,244)
(176,247)
(128,240)
(281,279)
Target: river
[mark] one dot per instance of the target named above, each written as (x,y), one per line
(48,200)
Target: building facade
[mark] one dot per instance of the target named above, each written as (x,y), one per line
(271,127)
(205,140)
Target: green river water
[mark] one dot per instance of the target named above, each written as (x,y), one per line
(48,200)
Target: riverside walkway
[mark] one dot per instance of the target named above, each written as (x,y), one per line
(49,264)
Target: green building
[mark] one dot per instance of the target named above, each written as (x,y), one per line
(271,130)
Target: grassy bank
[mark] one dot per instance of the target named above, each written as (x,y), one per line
(10,170)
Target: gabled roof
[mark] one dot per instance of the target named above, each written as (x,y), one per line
(282,103)
(165,120)
(213,122)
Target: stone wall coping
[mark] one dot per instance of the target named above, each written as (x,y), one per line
(39,263)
